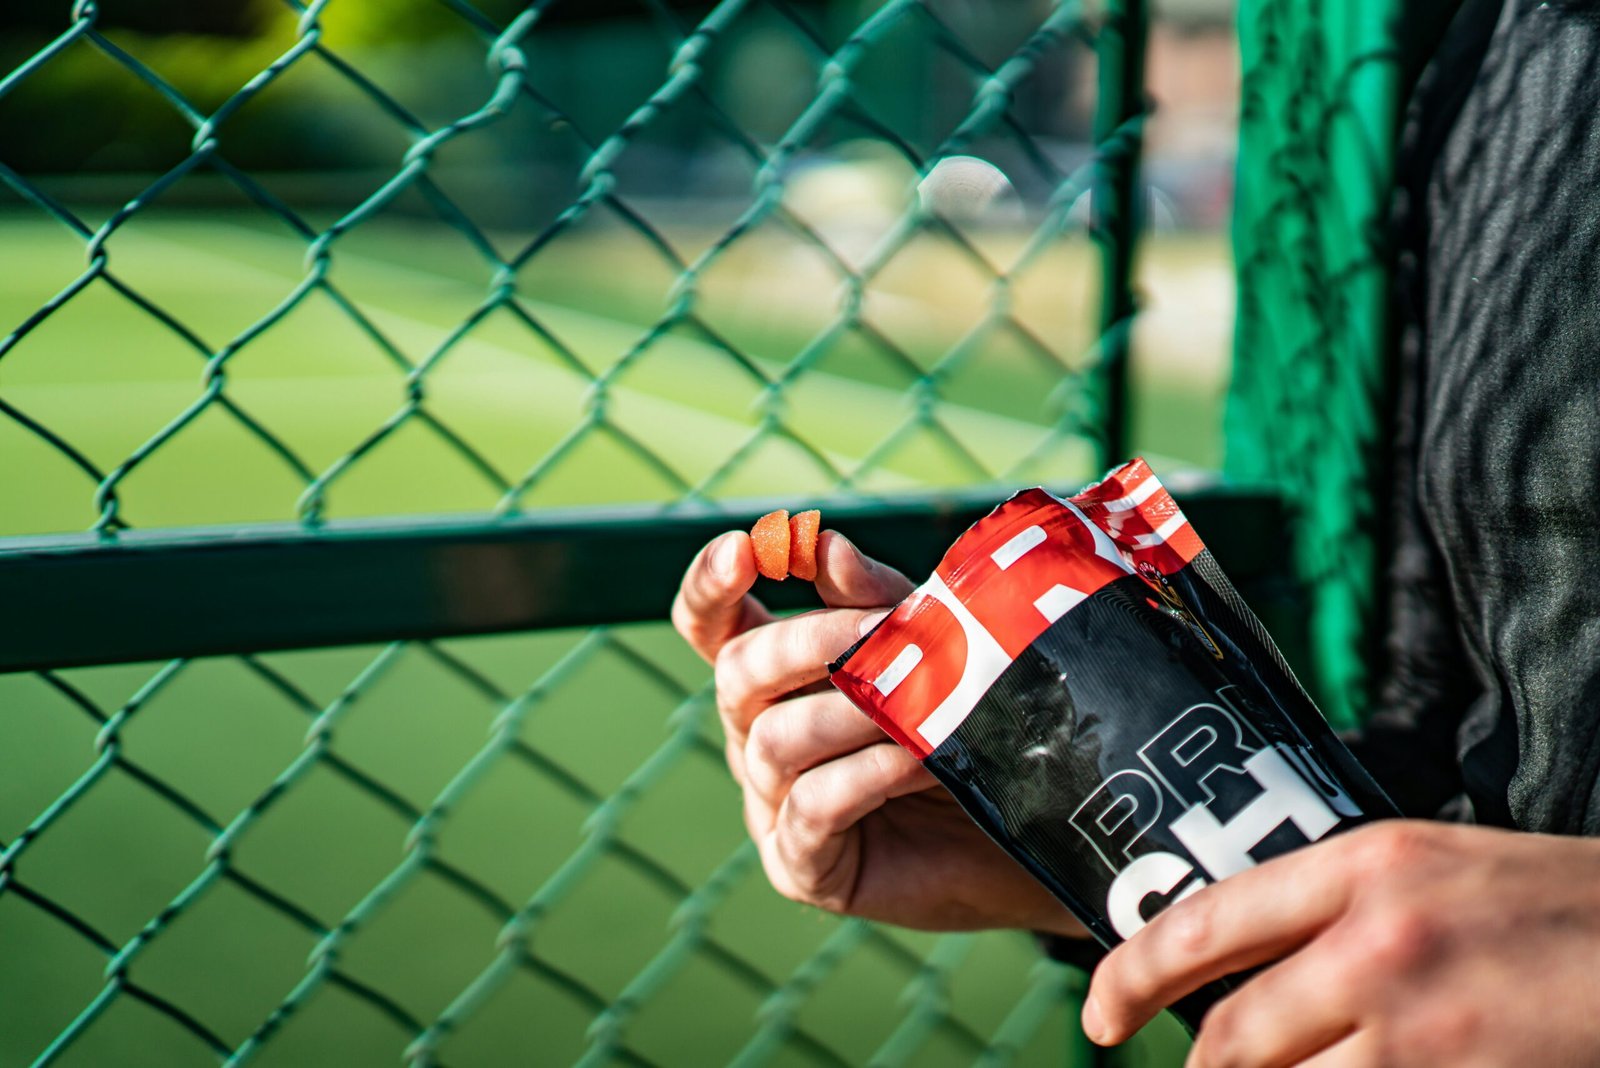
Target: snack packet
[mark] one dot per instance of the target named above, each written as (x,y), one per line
(1085,680)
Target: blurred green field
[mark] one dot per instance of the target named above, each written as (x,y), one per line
(107,377)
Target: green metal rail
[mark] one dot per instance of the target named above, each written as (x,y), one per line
(218,591)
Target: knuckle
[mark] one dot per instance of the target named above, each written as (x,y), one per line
(797,637)
(780,879)
(1399,940)
(1184,932)
(730,674)
(1190,927)
(785,888)
(763,760)
(888,762)
(722,671)
(811,809)
(800,872)
(1388,848)
(765,742)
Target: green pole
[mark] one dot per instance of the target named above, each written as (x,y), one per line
(1114,207)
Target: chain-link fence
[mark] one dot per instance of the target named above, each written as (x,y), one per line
(419,852)
(621,276)
(318,262)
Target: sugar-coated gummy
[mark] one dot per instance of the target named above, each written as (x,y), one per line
(803,528)
(770,537)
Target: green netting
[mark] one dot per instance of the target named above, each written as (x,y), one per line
(497,259)
(1316,154)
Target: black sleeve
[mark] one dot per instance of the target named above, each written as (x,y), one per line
(1082,953)
(1422,692)
(1409,744)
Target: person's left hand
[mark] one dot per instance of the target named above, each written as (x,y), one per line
(1403,944)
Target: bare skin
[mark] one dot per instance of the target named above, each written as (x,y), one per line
(845,819)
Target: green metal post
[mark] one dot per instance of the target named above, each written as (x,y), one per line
(1114,207)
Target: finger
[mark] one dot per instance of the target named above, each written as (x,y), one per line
(797,735)
(713,602)
(1251,918)
(1360,1050)
(1278,1018)
(811,836)
(848,578)
(761,665)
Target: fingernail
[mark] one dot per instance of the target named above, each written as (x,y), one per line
(725,557)
(870,620)
(1093,1024)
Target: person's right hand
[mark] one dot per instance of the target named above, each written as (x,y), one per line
(844,818)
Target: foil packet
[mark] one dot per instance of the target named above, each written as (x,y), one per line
(1087,683)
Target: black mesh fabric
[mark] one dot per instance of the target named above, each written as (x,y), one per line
(1490,705)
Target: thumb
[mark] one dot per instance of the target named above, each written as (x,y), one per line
(848,578)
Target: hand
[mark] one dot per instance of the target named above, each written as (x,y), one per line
(1400,944)
(845,819)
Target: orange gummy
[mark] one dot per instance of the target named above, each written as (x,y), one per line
(770,538)
(803,527)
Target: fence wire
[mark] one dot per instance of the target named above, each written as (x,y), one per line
(546,269)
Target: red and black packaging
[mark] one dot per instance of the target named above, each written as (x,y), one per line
(1084,679)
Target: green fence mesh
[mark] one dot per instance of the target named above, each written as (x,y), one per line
(320,261)
(1316,156)
(658,291)
(420,853)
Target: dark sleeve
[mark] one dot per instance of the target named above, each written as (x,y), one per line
(1410,743)
(1422,691)
(1082,953)
(1423,688)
